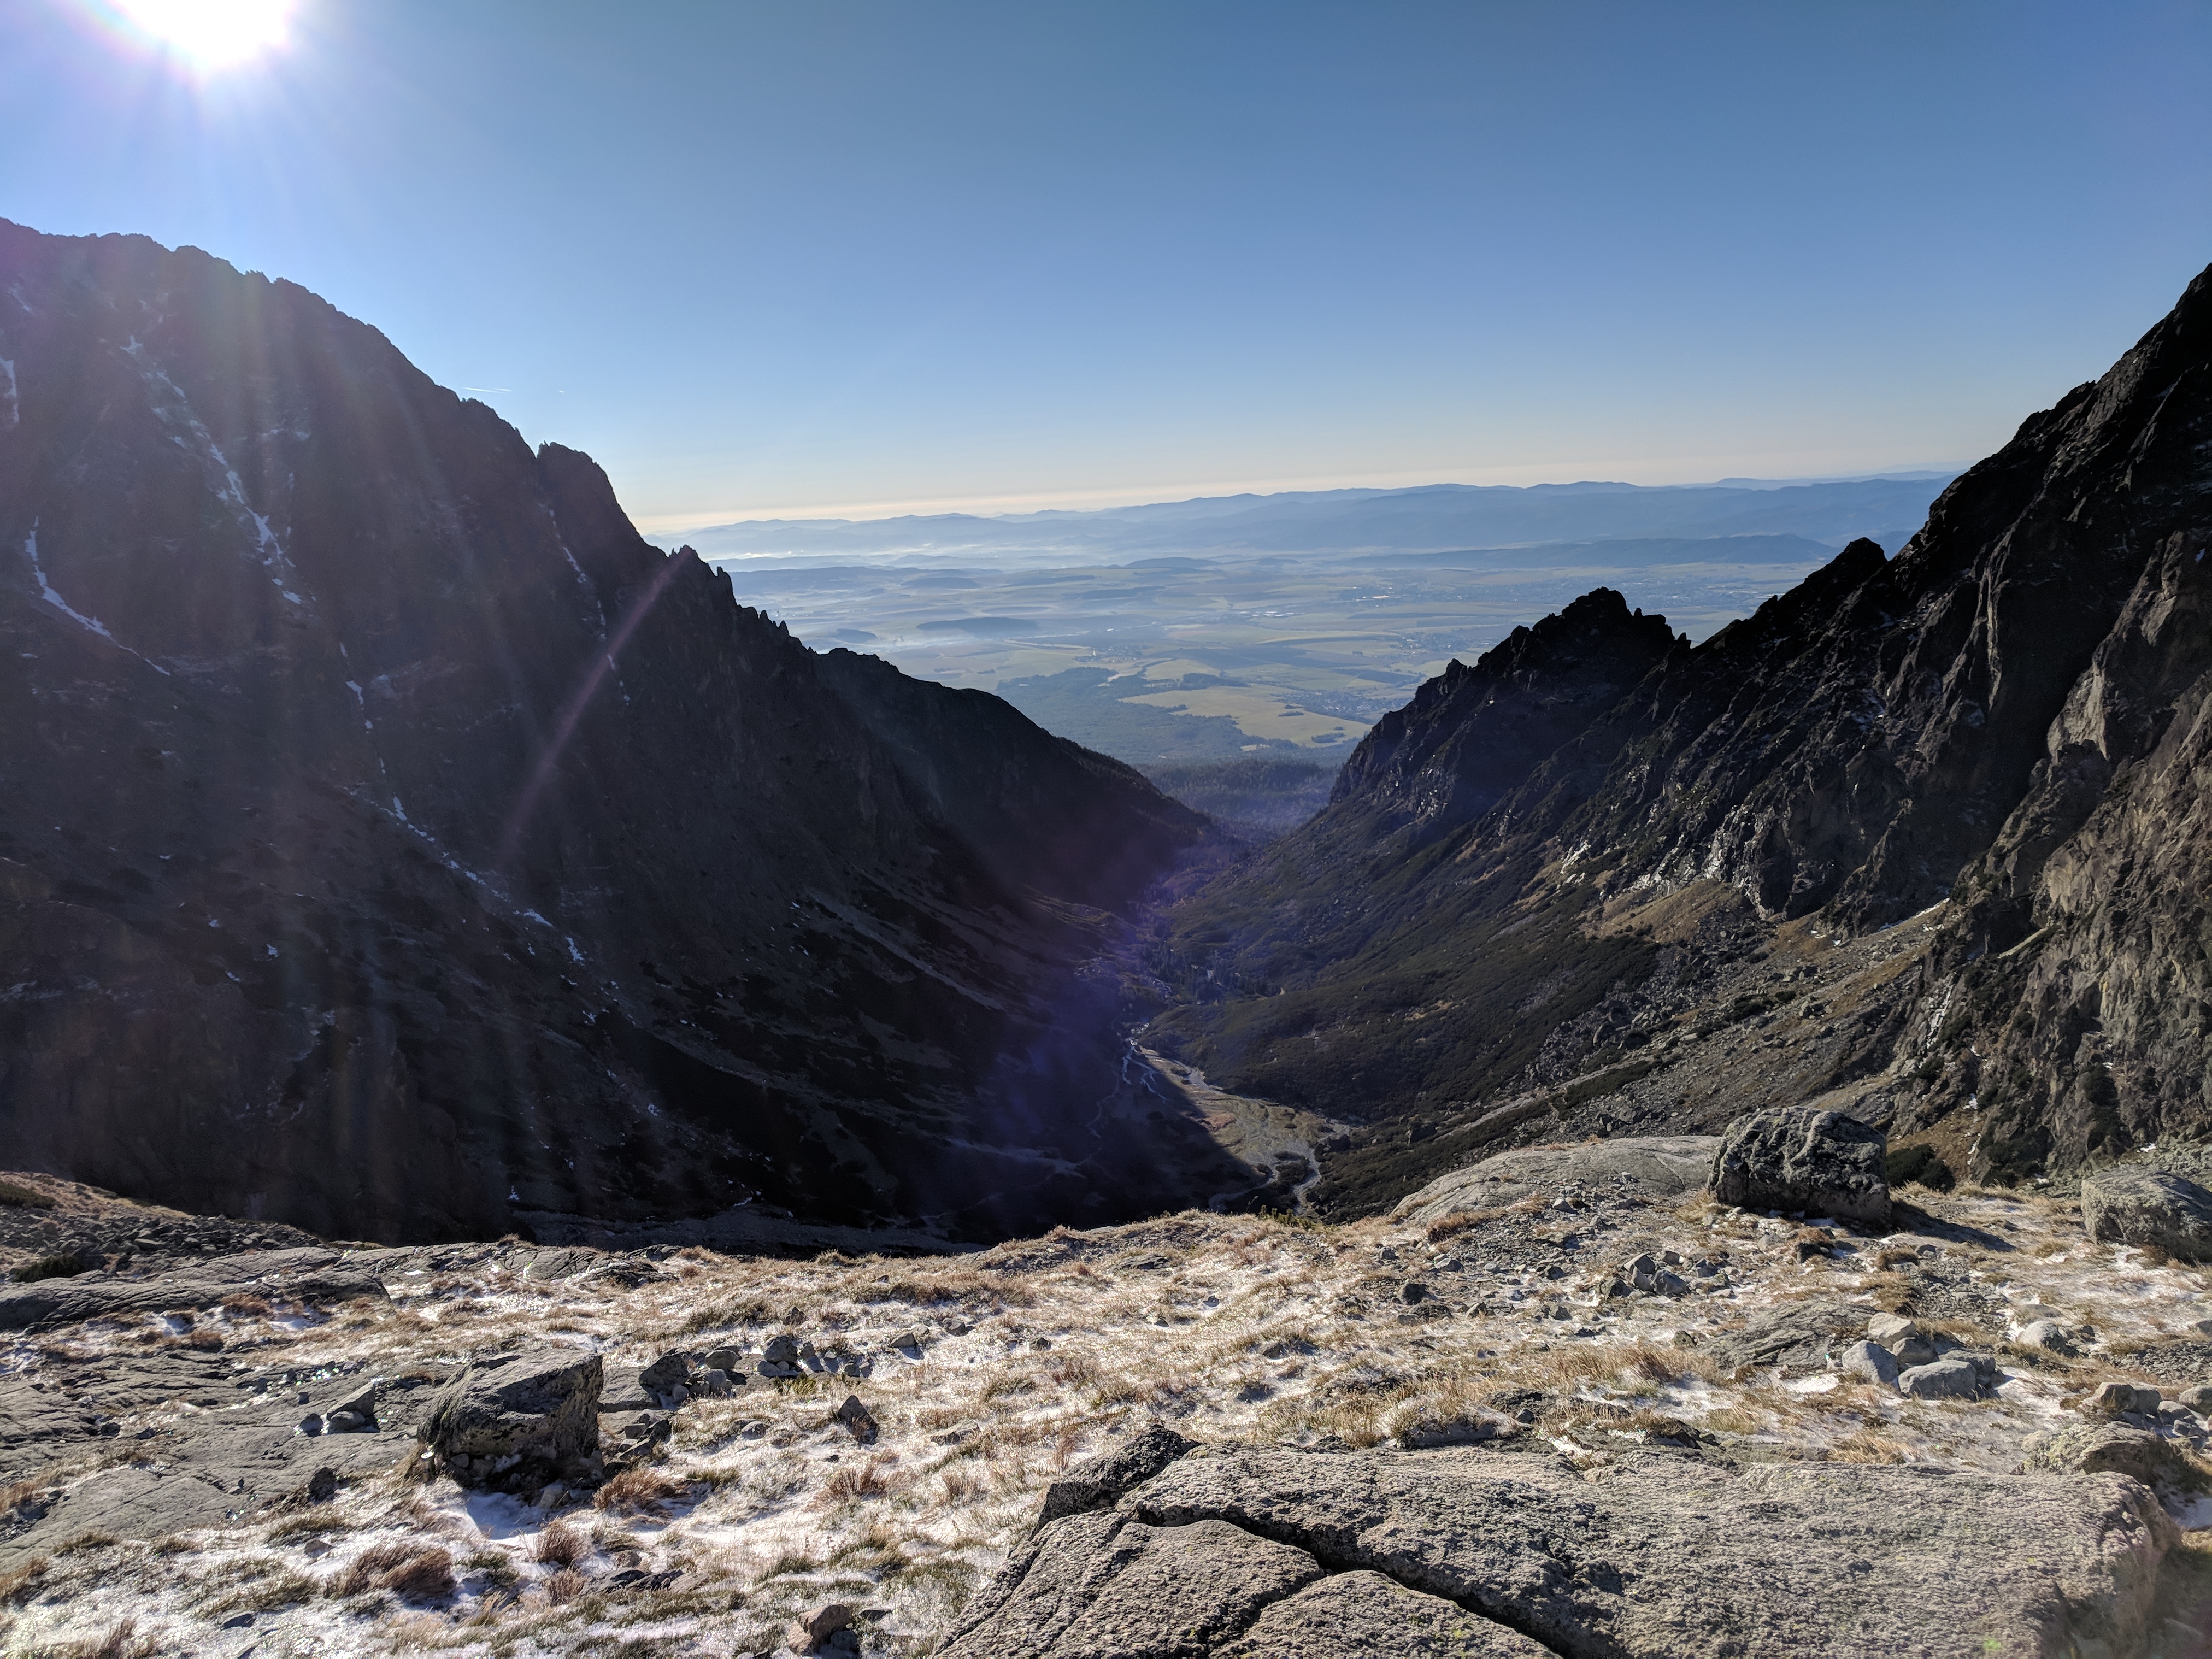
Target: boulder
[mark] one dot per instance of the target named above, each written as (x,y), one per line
(1099,1482)
(723,1359)
(2198,1399)
(1941,1379)
(1890,1329)
(517,1421)
(1653,1557)
(1807,1335)
(780,1358)
(860,1420)
(662,1379)
(2114,1448)
(2049,1335)
(810,1630)
(1651,1166)
(2149,1207)
(1869,1362)
(1793,1158)
(2112,1400)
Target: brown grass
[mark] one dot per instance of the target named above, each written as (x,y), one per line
(13,1497)
(246,1307)
(854,1481)
(565,1586)
(1733,1420)
(15,1586)
(276,1587)
(560,1545)
(1867,1446)
(1451,1227)
(405,1569)
(121,1642)
(15,1192)
(638,1491)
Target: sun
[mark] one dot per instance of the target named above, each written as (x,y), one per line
(211,34)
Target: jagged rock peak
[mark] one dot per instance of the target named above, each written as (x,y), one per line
(1472,734)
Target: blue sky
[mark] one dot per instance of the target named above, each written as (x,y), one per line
(810,258)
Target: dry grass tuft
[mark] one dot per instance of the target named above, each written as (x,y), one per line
(852,1481)
(560,1545)
(14,1586)
(1867,1447)
(1463,1221)
(121,1642)
(638,1491)
(565,1586)
(405,1569)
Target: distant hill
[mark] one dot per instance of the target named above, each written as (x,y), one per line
(1437,517)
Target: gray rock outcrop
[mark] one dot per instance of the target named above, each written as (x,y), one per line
(2149,1207)
(296,1275)
(1794,1159)
(517,1421)
(1652,1167)
(2141,1454)
(1100,1482)
(1654,1558)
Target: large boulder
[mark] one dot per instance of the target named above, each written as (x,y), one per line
(1655,1557)
(2151,1208)
(1650,1167)
(515,1421)
(1793,1159)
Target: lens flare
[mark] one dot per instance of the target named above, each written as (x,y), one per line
(210,34)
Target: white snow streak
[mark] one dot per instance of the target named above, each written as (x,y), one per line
(90,624)
(224,479)
(15,411)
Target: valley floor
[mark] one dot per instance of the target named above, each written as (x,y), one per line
(991,1374)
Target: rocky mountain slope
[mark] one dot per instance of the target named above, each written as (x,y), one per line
(1606,1416)
(394,844)
(1527,880)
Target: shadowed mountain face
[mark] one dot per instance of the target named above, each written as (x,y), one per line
(394,843)
(2008,718)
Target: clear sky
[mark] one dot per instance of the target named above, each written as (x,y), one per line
(816,257)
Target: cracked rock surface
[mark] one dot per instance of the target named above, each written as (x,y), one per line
(1511,1553)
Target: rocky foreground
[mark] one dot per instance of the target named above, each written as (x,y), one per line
(1567,1403)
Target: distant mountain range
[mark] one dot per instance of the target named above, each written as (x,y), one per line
(1431,518)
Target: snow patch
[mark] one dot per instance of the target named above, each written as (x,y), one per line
(15,413)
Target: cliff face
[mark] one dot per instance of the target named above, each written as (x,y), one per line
(1471,735)
(394,841)
(2007,719)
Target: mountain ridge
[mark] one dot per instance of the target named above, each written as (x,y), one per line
(397,842)
(1963,726)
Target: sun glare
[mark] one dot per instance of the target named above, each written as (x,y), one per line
(211,34)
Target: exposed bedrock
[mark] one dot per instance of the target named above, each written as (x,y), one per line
(1236,1552)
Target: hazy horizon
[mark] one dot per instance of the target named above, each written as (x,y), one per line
(854,260)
